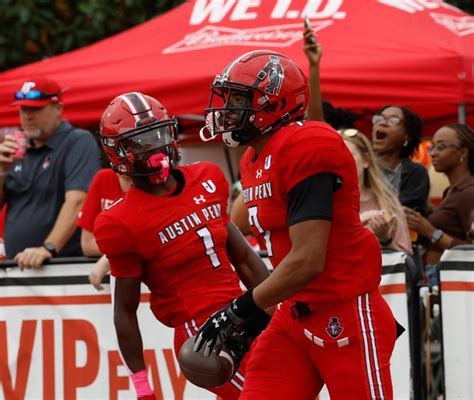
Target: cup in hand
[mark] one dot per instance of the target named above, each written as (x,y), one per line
(22,144)
(413,235)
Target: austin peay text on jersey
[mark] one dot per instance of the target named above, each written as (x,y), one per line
(189,222)
(258,192)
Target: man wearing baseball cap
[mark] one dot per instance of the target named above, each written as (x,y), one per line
(44,189)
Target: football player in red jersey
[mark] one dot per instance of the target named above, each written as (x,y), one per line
(170,231)
(300,186)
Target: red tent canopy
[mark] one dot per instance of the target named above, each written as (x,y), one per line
(418,53)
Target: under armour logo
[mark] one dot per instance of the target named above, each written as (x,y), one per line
(216,321)
(17,168)
(259,173)
(200,199)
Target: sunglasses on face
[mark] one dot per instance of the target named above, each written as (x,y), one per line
(440,147)
(33,95)
(390,121)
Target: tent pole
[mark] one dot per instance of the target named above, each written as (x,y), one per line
(462,113)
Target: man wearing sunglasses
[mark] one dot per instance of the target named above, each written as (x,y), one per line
(45,189)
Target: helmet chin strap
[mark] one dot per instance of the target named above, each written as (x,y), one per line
(283,120)
(229,140)
(162,161)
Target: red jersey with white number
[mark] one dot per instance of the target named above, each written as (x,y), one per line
(296,152)
(175,243)
(103,191)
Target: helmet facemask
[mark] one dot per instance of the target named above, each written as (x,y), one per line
(231,112)
(150,150)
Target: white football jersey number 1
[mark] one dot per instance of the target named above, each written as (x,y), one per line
(206,237)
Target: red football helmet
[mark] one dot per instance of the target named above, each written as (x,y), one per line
(139,137)
(257,93)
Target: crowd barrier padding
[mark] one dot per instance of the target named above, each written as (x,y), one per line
(457,310)
(57,340)
(393,287)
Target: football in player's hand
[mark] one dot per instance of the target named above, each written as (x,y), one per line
(205,372)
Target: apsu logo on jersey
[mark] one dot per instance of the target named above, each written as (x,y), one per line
(334,328)
(275,73)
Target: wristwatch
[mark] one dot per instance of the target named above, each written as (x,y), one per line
(436,235)
(51,248)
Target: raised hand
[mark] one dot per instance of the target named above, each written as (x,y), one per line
(312,48)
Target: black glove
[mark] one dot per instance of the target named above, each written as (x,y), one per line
(240,341)
(238,344)
(224,322)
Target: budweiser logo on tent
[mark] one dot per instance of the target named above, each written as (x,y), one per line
(461,26)
(268,36)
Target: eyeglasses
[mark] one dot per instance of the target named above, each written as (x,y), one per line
(390,121)
(441,146)
(33,95)
(350,132)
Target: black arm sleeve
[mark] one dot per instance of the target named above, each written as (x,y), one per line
(312,198)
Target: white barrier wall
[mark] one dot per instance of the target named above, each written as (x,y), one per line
(57,341)
(457,305)
(393,289)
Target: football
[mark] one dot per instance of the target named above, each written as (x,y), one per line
(205,372)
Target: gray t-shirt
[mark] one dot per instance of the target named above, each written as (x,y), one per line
(412,183)
(36,186)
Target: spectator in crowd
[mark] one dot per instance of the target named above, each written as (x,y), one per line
(300,186)
(45,189)
(396,134)
(319,109)
(452,153)
(106,188)
(171,231)
(380,210)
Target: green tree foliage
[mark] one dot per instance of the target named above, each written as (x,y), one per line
(31,30)
(466,5)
